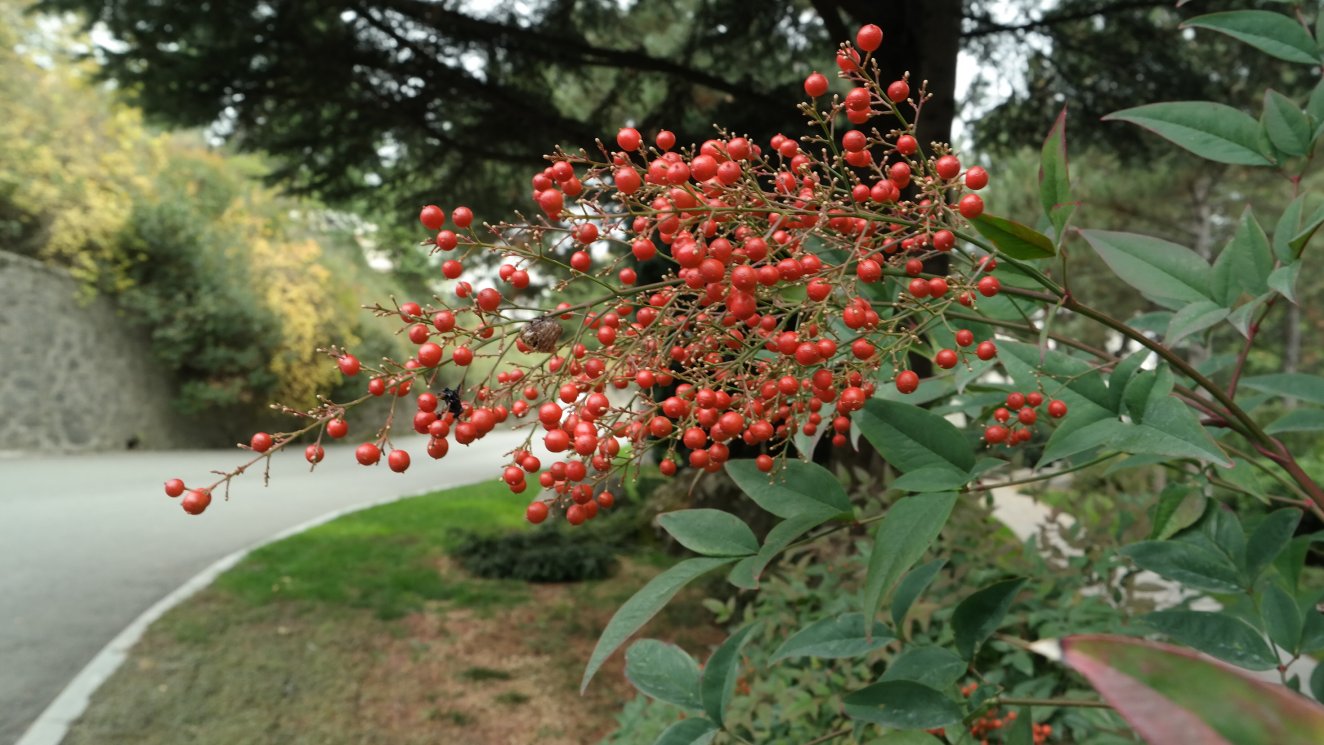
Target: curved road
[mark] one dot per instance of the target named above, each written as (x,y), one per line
(88,542)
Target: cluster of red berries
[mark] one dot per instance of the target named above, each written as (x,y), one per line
(1016,420)
(791,278)
(988,727)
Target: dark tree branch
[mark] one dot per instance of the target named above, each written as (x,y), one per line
(988,28)
(572,51)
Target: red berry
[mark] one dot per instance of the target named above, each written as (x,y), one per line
(986,350)
(996,434)
(1027,416)
(869,37)
(536,512)
(665,140)
(907,145)
(944,240)
(976,178)
(971,206)
(463,217)
(195,501)
(398,461)
(989,286)
(1034,398)
(947,167)
(337,428)
(367,454)
(314,453)
(1015,400)
(462,356)
(965,337)
(349,364)
(261,442)
(580,261)
(898,91)
(576,515)
(174,487)
(816,85)
(432,217)
(628,138)
(430,354)
(946,359)
(907,381)
(1057,409)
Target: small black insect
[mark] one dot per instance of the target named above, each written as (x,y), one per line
(452,398)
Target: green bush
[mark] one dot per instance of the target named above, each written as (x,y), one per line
(547,555)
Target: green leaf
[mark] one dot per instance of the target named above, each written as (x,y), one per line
(846,635)
(1165,272)
(1194,318)
(1079,433)
(1171,696)
(1287,126)
(903,704)
(1242,317)
(1244,264)
(1283,280)
(1213,131)
(1300,420)
(710,532)
(1179,506)
(1122,375)
(933,666)
(664,672)
(903,536)
(720,674)
(1139,392)
(1282,617)
(912,586)
(1289,223)
(1269,539)
(1300,386)
(1303,236)
(1274,34)
(800,488)
(1216,634)
(931,478)
(1188,563)
(693,731)
(745,574)
(642,606)
(910,438)
(1054,180)
(1317,687)
(1170,428)
(1243,474)
(1014,239)
(1084,389)
(903,737)
(1315,106)
(979,615)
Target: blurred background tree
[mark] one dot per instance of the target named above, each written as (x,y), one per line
(234,284)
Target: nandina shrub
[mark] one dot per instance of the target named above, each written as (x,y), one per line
(798,281)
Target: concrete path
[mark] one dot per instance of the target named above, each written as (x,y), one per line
(89,542)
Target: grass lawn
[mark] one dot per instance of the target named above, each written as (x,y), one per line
(363,631)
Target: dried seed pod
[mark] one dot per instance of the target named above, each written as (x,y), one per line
(541,334)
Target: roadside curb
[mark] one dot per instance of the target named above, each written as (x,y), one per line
(50,727)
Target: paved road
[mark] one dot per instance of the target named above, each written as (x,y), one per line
(89,542)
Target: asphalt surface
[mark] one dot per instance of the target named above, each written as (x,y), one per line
(88,542)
